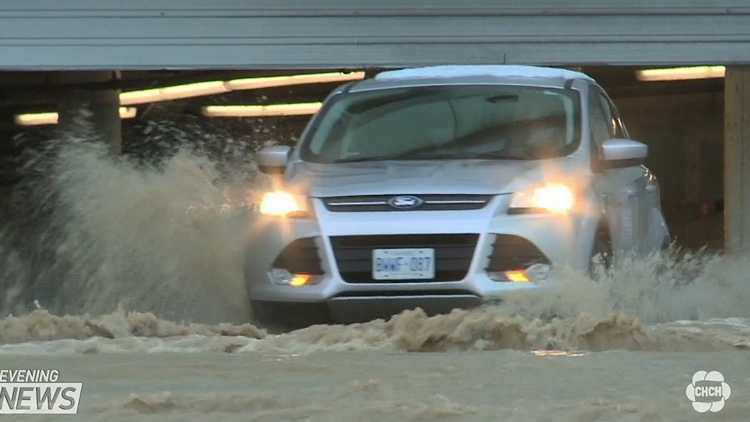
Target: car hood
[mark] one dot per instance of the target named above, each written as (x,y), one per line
(488,177)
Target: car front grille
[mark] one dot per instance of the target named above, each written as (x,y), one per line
(453,254)
(511,253)
(379,203)
(300,257)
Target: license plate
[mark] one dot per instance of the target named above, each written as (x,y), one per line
(403,264)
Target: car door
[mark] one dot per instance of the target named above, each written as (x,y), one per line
(648,198)
(623,190)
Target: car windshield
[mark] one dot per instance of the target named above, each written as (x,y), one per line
(443,122)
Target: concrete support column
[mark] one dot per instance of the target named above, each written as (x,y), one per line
(737,159)
(103,106)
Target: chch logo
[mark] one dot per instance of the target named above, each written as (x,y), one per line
(708,391)
(405,202)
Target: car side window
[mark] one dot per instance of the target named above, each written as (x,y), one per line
(600,127)
(613,116)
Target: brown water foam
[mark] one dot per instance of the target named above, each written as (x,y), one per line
(411,331)
(159,240)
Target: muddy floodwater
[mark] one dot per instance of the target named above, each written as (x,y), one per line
(467,366)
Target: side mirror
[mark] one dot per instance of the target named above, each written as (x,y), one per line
(273,160)
(619,153)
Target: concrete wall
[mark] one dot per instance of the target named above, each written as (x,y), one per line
(273,34)
(685,136)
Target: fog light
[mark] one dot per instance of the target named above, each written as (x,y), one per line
(284,277)
(517,276)
(535,273)
(508,276)
(300,280)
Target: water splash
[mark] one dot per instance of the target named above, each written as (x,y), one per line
(163,232)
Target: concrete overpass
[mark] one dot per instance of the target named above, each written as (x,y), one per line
(63,55)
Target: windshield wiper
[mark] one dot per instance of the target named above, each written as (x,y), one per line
(363,159)
(404,156)
(461,155)
(487,156)
(432,156)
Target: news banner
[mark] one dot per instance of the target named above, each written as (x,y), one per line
(37,391)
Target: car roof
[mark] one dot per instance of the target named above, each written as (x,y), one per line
(472,74)
(498,71)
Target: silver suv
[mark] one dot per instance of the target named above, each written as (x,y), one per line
(441,187)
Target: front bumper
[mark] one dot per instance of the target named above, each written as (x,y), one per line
(337,247)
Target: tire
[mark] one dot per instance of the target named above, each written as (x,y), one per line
(601,253)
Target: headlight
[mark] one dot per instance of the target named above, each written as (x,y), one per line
(283,204)
(549,198)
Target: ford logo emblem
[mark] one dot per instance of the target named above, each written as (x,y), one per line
(405,202)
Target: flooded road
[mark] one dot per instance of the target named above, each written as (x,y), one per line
(362,373)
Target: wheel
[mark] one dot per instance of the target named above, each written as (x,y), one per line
(602,255)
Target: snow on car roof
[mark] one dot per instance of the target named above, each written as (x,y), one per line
(500,71)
